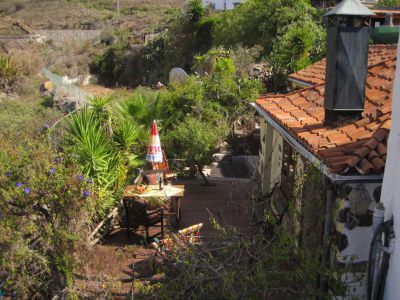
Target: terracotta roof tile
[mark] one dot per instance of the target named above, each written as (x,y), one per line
(378,163)
(362,152)
(354,145)
(372,154)
(381,149)
(380,134)
(387,124)
(362,122)
(315,74)
(352,161)
(364,167)
(371,144)
(339,158)
(385,11)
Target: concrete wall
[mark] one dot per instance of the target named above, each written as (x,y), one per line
(222,4)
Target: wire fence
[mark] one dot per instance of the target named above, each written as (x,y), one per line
(67,86)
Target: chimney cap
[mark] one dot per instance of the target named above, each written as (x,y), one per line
(350,8)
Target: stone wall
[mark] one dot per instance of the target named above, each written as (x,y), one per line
(58,36)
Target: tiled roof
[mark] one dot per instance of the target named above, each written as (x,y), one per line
(315,74)
(395,11)
(351,147)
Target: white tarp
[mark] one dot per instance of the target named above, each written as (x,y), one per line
(391,190)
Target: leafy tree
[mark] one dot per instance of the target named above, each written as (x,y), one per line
(295,50)
(388,3)
(232,90)
(196,140)
(195,10)
(289,31)
(198,114)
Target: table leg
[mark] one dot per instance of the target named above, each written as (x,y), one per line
(128,231)
(178,210)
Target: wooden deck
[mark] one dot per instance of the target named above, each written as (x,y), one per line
(116,255)
(225,202)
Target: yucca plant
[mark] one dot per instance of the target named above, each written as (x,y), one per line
(126,133)
(101,108)
(92,147)
(100,104)
(125,137)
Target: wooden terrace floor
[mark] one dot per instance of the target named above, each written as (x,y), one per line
(225,201)
(115,256)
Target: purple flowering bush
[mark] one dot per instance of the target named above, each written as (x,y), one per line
(46,213)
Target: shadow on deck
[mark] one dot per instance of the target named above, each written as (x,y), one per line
(226,202)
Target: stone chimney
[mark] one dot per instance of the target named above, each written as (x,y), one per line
(347,60)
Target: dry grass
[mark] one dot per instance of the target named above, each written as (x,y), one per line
(63,14)
(28,62)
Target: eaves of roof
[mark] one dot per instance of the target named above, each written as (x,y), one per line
(352,147)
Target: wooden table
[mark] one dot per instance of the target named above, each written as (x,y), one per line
(174,192)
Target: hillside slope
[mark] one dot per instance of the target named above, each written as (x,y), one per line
(140,16)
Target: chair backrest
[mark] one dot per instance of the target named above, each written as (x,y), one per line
(162,166)
(152,176)
(137,210)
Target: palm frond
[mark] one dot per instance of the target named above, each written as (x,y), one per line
(126,135)
(141,108)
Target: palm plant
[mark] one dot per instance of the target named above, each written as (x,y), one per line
(141,108)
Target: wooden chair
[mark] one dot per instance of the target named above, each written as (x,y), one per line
(151,177)
(136,210)
(164,167)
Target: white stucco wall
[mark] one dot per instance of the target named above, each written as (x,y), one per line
(222,4)
(270,163)
(391,191)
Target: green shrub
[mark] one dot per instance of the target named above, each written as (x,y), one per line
(109,65)
(104,142)
(46,213)
(196,140)
(8,71)
(388,3)
(195,10)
